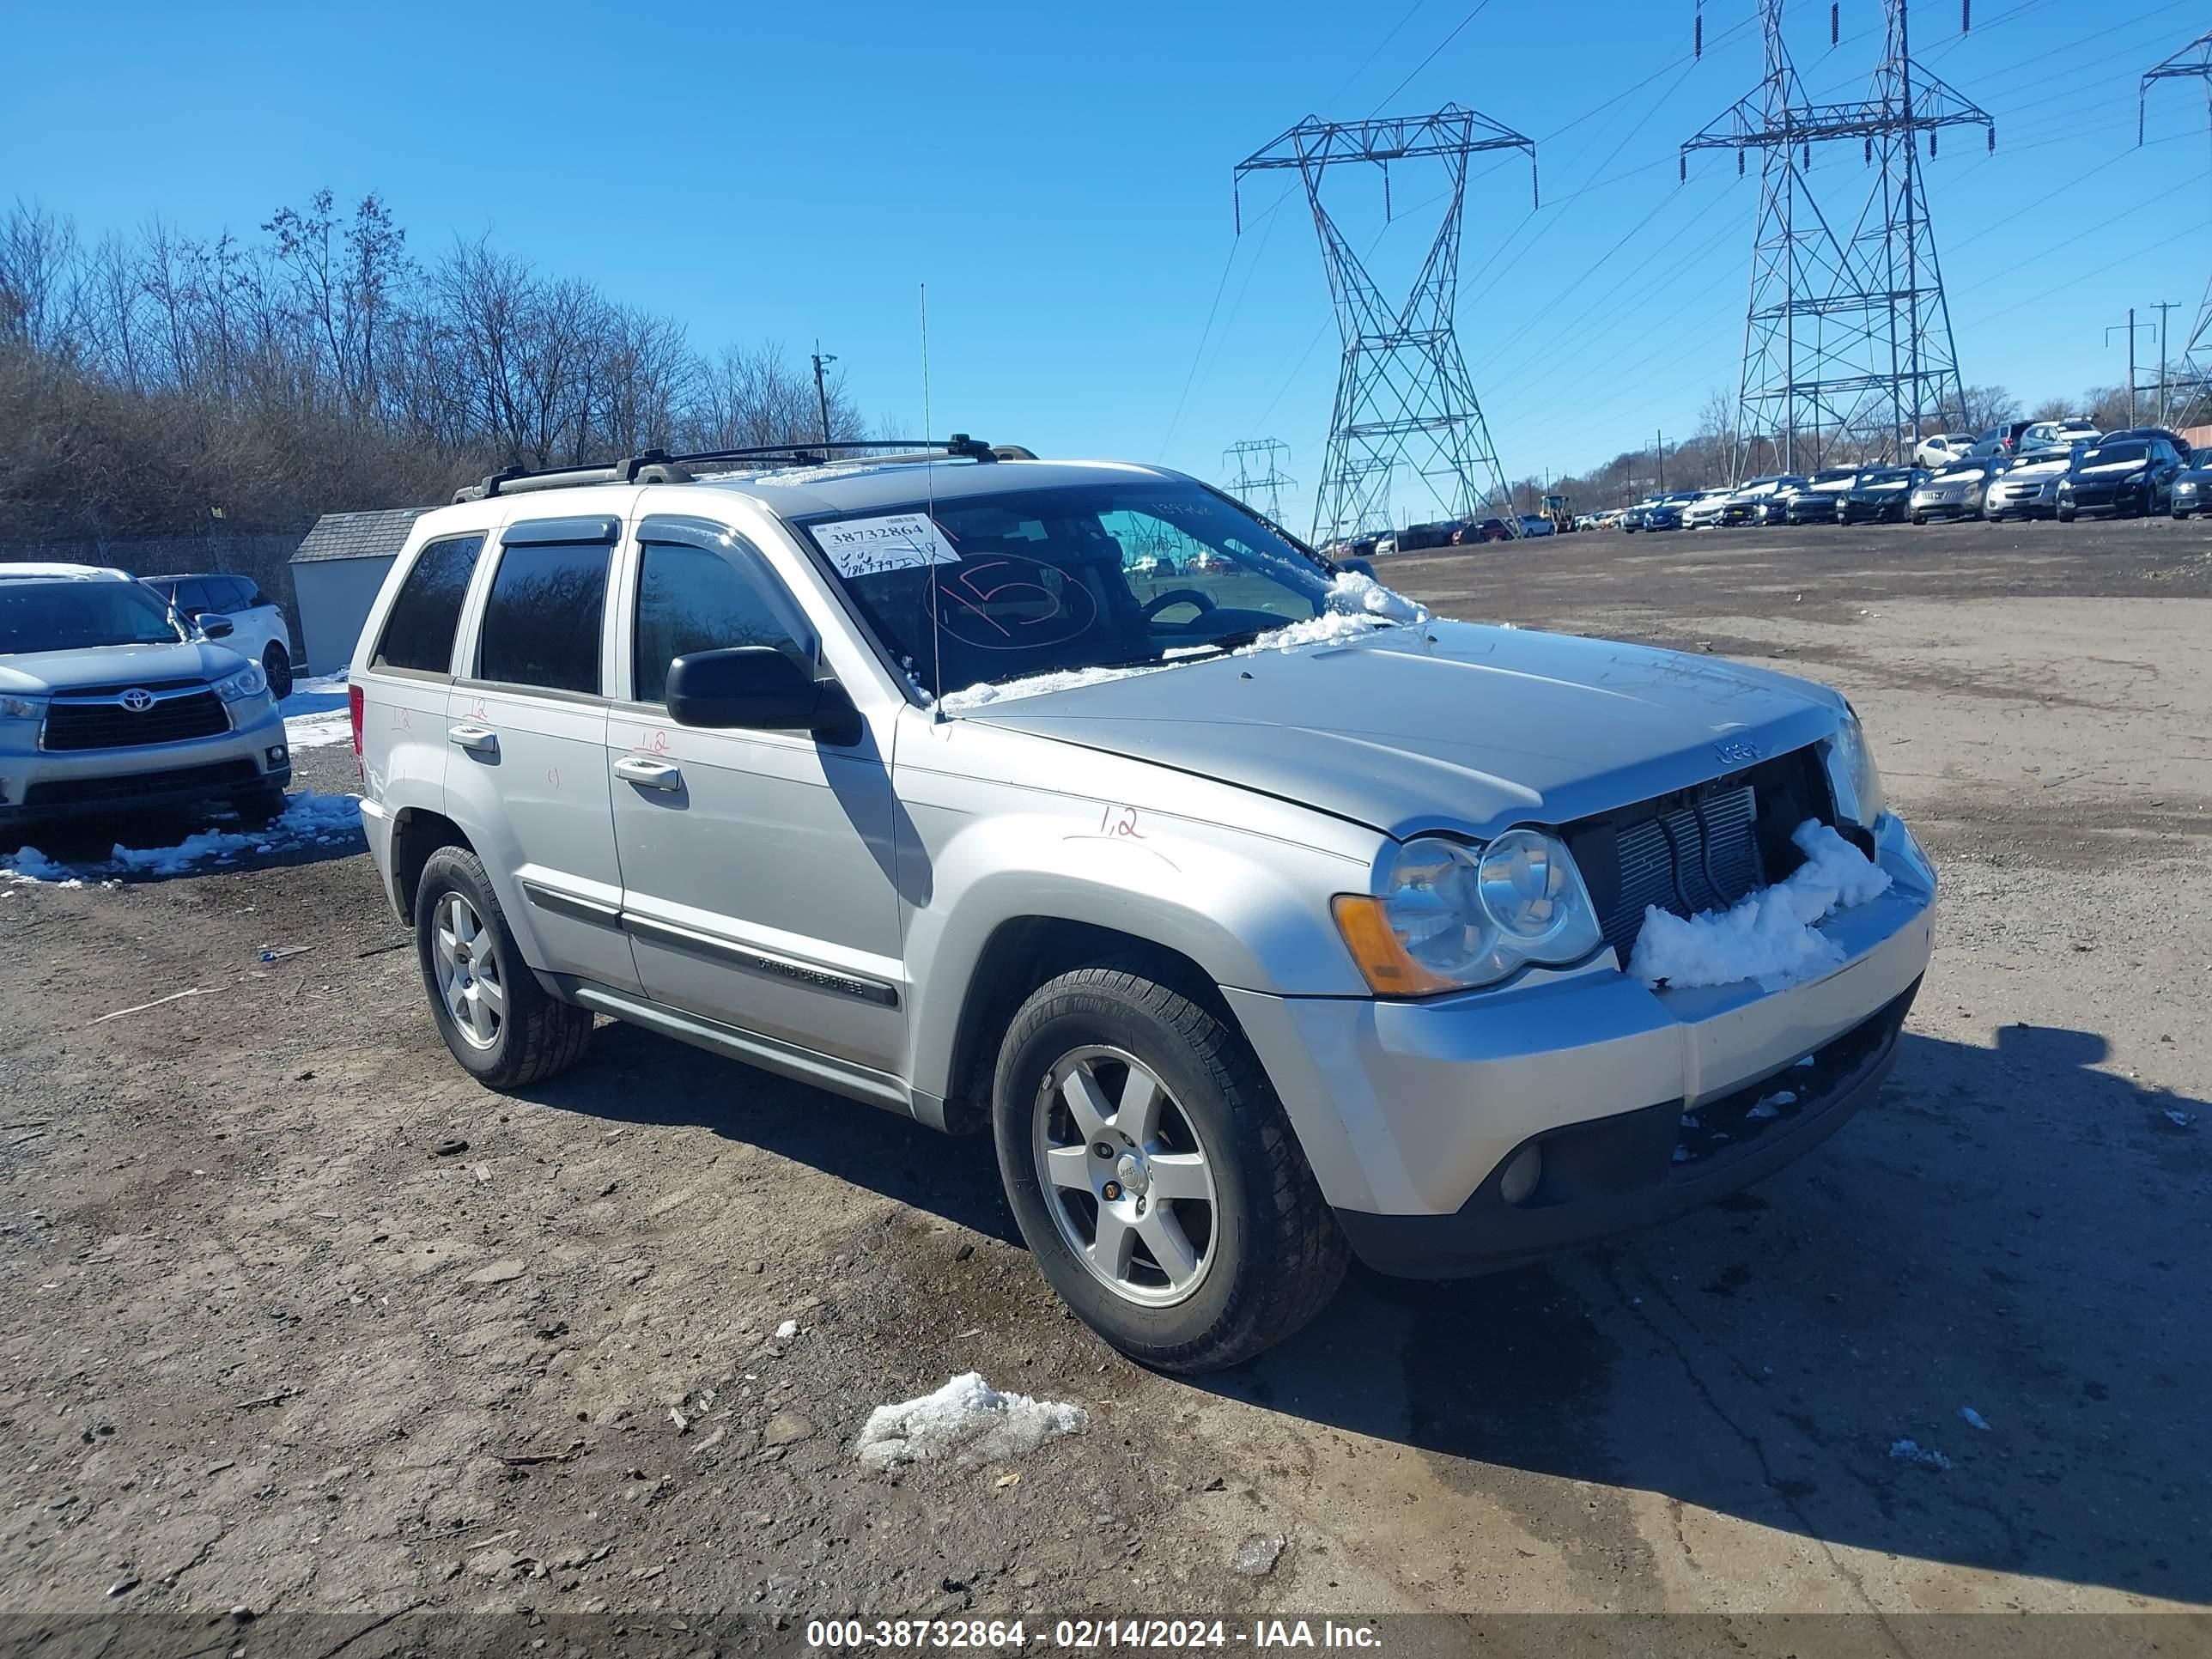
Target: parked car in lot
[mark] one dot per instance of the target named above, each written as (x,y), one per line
(2029,488)
(1702,511)
(2127,478)
(109,701)
(1482,530)
(1665,513)
(257,628)
(1756,501)
(1881,495)
(1631,518)
(1535,524)
(2181,445)
(2192,492)
(1815,503)
(1238,992)
(1953,491)
(1999,441)
(2045,435)
(1942,448)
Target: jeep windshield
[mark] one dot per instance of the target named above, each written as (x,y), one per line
(986,590)
(81,616)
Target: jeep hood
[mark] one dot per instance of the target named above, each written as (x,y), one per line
(34,673)
(1448,726)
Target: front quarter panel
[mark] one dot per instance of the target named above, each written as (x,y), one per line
(1237,882)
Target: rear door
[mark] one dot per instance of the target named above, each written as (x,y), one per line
(758,867)
(408,677)
(526,731)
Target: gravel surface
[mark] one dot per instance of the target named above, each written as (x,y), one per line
(296,1317)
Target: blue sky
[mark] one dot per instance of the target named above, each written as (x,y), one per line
(1058,176)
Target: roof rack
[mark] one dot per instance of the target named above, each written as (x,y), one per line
(658,466)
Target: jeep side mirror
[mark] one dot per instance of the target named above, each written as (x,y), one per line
(213,628)
(757,688)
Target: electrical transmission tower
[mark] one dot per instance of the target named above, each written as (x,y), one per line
(2192,384)
(1404,401)
(1259,480)
(1848,336)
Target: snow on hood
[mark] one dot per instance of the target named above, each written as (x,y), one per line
(1355,605)
(1769,936)
(1442,725)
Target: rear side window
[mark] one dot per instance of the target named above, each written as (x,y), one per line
(419,633)
(541,622)
(701,588)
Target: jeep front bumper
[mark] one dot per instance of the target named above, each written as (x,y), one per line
(1639,1102)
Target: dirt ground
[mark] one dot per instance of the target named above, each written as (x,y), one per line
(262,1345)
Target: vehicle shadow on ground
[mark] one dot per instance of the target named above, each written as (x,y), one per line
(636,1076)
(88,848)
(2006,1230)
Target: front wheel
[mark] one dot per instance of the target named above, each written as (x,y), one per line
(2180,514)
(1920,518)
(2066,515)
(276,664)
(1153,1175)
(502,1026)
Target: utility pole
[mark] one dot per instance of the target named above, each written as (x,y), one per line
(1659,449)
(821,388)
(1404,399)
(2162,307)
(2130,326)
(1848,328)
(2193,62)
(1259,479)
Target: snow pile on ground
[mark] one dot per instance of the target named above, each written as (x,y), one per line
(28,864)
(309,820)
(1911,1451)
(1769,935)
(968,1419)
(316,714)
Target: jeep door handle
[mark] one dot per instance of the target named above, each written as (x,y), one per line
(476,739)
(648,774)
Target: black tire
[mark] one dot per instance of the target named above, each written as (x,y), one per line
(276,664)
(260,808)
(1920,518)
(1274,1254)
(537,1036)
(2065,516)
(2180,514)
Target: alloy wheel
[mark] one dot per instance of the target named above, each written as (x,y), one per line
(468,970)
(1125,1176)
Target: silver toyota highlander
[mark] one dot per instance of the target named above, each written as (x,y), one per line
(109,702)
(1262,920)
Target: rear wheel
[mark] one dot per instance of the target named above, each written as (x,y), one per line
(1152,1171)
(276,664)
(500,1025)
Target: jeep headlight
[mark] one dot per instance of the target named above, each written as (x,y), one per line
(22,708)
(1449,916)
(1852,777)
(248,681)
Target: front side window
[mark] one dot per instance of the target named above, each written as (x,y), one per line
(419,633)
(541,621)
(1117,574)
(702,587)
(79,616)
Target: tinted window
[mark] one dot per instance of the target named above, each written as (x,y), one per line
(419,633)
(541,624)
(2102,454)
(707,591)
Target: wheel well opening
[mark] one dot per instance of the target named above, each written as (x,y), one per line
(415,835)
(1025,952)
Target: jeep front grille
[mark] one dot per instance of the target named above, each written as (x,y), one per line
(1698,849)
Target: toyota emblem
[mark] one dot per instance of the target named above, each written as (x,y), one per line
(137,700)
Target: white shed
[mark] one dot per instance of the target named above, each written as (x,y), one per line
(336,575)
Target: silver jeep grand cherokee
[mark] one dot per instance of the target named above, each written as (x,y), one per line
(1262,920)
